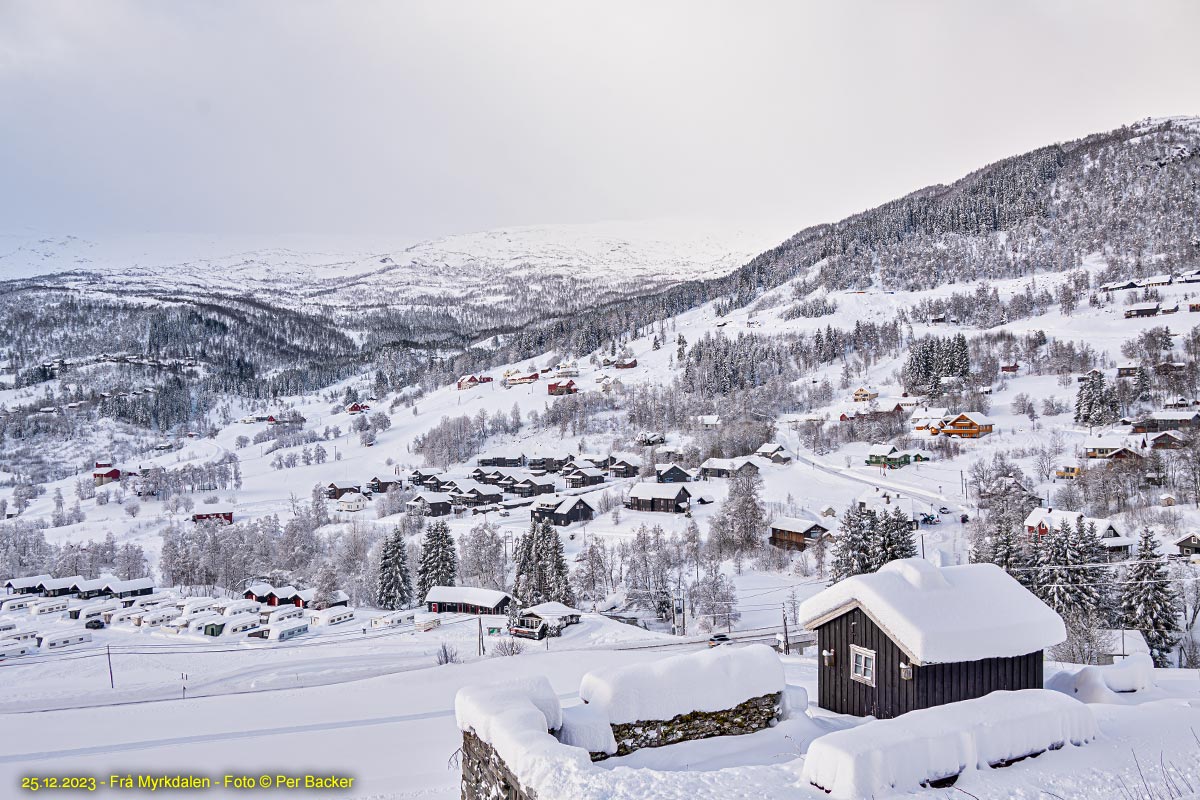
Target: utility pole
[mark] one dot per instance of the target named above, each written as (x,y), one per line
(787,645)
(479,639)
(111,683)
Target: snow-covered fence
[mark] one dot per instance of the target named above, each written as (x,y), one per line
(935,744)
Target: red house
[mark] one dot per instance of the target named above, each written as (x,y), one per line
(467,382)
(105,472)
(220,514)
(357,408)
(561,387)
(622,364)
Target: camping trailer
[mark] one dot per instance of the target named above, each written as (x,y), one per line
(55,605)
(60,640)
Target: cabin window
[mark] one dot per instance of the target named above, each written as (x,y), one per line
(862,665)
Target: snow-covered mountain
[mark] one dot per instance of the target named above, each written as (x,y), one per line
(600,261)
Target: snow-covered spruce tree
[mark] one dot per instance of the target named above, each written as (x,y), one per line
(1147,601)
(326,586)
(891,538)
(439,560)
(395,582)
(851,549)
(557,575)
(524,569)
(1096,402)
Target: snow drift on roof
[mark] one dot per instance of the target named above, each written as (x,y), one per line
(470,595)
(939,615)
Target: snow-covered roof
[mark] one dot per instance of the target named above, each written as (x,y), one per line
(95,584)
(471,595)
(881,450)
(569,503)
(1175,415)
(54,584)
(466,485)
(429,497)
(975,417)
(259,588)
(938,615)
(552,610)
(794,524)
(627,458)
(710,680)
(656,491)
(132,585)
(27,582)
(770,448)
(344,485)
(1142,307)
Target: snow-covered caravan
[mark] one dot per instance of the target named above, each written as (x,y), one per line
(196,604)
(273,616)
(14,649)
(120,616)
(92,611)
(197,622)
(331,616)
(7,626)
(290,629)
(18,603)
(18,636)
(390,620)
(148,600)
(155,617)
(49,607)
(889,646)
(61,640)
(240,607)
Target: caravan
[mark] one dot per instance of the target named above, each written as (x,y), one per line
(393,619)
(56,605)
(11,649)
(60,640)
(18,603)
(93,611)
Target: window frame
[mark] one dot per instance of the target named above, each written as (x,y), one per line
(869,664)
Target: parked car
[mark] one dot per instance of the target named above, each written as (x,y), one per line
(718,639)
(94,624)
(943,510)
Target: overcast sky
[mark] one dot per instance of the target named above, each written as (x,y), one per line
(420,119)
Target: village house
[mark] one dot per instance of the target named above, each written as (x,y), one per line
(351,502)
(1118,286)
(517,379)
(1189,545)
(26,585)
(357,408)
(467,600)
(1171,309)
(544,619)
(429,504)
(213,514)
(709,422)
(872,412)
(567,369)
(727,467)
(502,458)
(887,646)
(650,438)
(1127,369)
(1042,521)
(473,493)
(1167,421)
(58,587)
(1156,280)
(1168,440)
(104,472)
(967,425)
(774,452)
(422,475)
(878,454)
(794,533)
(549,461)
(1170,368)
(337,489)
(670,498)
(625,363)
(671,473)
(625,466)
(380,485)
(1109,447)
(557,388)
(134,587)
(864,394)
(467,382)
(1012,368)
(1142,310)
(533,486)
(1068,470)
(562,511)
(582,478)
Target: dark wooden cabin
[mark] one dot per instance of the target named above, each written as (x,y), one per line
(985,633)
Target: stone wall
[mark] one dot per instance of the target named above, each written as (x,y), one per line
(752,715)
(485,776)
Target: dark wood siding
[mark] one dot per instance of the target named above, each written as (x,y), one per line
(931,685)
